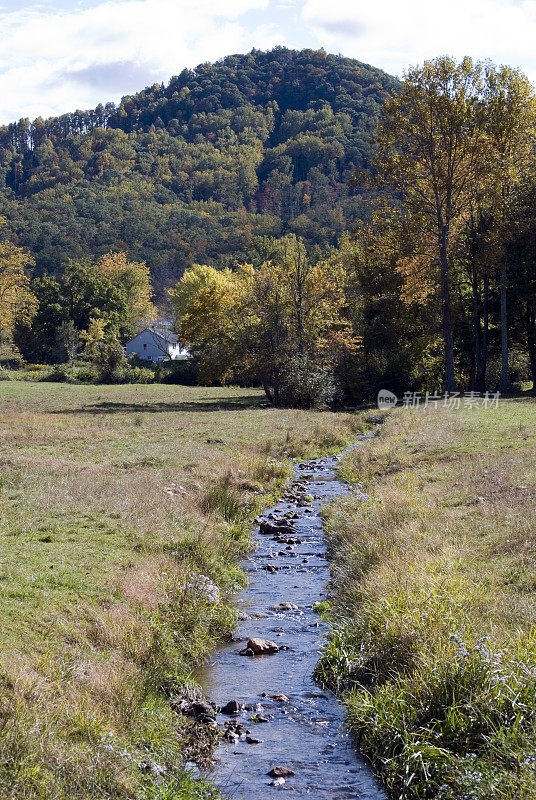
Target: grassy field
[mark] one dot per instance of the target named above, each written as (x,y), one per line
(434,579)
(123,513)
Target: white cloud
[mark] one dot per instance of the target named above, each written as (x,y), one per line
(393,34)
(53,61)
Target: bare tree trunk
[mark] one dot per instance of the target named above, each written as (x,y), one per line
(446,307)
(530,328)
(503,385)
(268,393)
(480,370)
(485,327)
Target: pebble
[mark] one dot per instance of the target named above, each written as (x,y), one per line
(262,647)
(284,607)
(281,772)
(231,708)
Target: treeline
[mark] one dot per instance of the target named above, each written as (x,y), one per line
(257,144)
(435,291)
(81,319)
(433,288)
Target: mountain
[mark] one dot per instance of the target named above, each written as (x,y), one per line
(255,144)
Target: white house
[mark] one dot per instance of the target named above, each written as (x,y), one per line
(156,343)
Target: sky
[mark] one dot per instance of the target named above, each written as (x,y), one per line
(58,56)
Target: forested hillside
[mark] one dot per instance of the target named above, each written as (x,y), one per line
(257,144)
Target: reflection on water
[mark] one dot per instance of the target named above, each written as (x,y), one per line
(304,732)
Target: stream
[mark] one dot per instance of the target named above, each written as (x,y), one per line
(302,729)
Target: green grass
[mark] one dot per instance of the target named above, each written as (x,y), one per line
(434,597)
(124,511)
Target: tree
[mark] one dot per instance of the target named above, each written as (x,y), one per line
(135,279)
(510,122)
(433,149)
(385,314)
(479,249)
(104,351)
(520,255)
(37,337)
(90,293)
(267,324)
(208,304)
(17,303)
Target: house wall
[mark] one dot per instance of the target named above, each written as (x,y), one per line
(150,346)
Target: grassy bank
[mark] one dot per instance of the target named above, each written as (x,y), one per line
(123,513)
(434,592)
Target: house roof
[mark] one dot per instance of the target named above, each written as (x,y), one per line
(170,337)
(164,333)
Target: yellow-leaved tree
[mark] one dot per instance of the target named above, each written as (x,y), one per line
(17,303)
(280,324)
(210,306)
(134,278)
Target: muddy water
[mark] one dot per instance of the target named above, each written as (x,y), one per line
(306,732)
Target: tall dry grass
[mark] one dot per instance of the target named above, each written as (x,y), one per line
(434,597)
(124,512)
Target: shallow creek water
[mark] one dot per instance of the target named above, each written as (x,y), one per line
(305,733)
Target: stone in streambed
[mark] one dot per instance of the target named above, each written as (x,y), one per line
(231,708)
(197,709)
(284,607)
(281,772)
(262,647)
(280,526)
(258,718)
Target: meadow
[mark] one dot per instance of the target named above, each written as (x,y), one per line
(434,602)
(124,511)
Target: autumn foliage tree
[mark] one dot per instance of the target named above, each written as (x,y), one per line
(510,124)
(280,324)
(434,151)
(17,303)
(452,142)
(134,279)
(113,289)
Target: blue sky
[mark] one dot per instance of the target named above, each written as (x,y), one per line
(57,56)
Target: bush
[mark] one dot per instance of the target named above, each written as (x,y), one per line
(184,373)
(86,374)
(58,374)
(138,375)
(306,385)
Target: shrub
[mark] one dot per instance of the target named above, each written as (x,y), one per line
(58,374)
(306,385)
(138,375)
(87,374)
(185,373)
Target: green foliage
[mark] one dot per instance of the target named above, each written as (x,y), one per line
(257,144)
(104,352)
(305,384)
(112,292)
(279,324)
